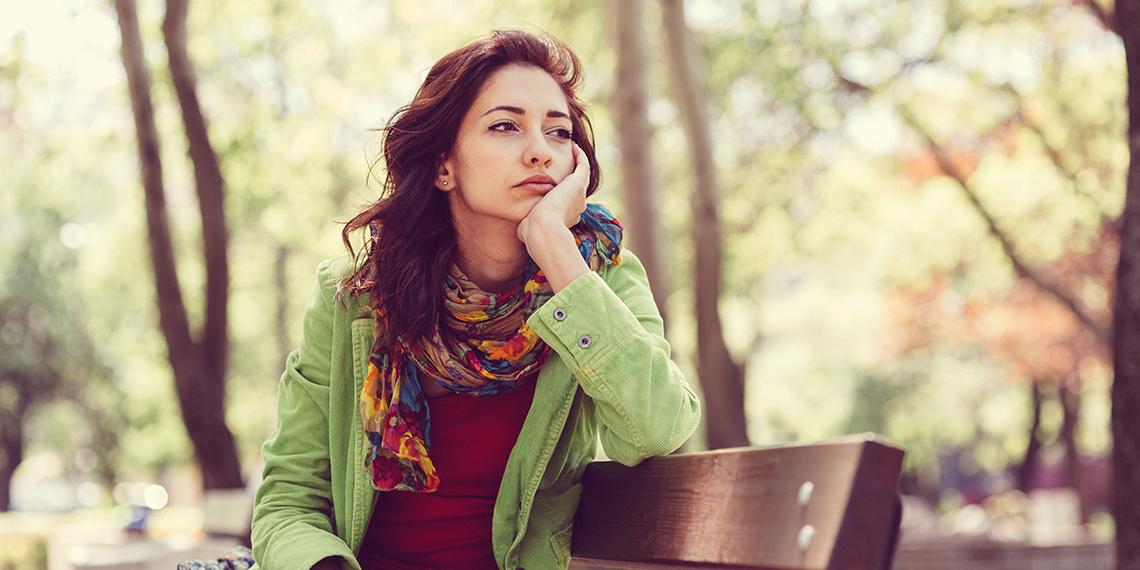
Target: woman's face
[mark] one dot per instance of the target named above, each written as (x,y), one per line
(517,127)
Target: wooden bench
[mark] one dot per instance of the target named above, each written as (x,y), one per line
(832,504)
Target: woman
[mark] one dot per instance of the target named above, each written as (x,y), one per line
(455,377)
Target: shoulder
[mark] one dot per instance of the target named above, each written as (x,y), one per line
(335,268)
(330,273)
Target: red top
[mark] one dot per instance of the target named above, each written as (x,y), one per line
(471,439)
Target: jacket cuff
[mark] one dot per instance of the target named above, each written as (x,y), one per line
(584,321)
(302,546)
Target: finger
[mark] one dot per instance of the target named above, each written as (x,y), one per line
(583,164)
(585,170)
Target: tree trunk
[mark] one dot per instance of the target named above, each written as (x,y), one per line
(1029,463)
(640,187)
(12,447)
(208,183)
(1071,406)
(199,367)
(722,378)
(1126,318)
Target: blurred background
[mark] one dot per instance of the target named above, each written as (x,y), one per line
(907,214)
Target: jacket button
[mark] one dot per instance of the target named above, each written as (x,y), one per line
(584,341)
(559,315)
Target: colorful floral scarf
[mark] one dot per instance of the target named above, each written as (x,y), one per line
(484,348)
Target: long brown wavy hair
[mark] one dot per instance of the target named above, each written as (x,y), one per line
(411,239)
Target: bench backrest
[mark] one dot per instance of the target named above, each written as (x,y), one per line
(832,504)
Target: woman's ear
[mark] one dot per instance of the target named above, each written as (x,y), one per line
(444,180)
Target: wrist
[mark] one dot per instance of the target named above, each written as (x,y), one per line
(546,226)
(552,247)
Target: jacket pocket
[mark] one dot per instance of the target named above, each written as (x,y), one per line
(560,542)
(549,531)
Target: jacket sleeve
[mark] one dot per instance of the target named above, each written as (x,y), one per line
(292,517)
(610,334)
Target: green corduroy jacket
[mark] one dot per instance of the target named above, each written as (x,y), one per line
(613,382)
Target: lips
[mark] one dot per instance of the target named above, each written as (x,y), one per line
(540,179)
(537,187)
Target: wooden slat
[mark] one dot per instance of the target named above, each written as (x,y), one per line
(870,528)
(738,508)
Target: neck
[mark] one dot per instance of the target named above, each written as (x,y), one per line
(492,256)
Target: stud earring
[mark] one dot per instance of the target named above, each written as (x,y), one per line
(445,183)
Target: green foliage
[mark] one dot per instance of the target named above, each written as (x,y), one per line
(51,358)
(23,552)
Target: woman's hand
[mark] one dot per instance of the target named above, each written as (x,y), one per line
(565,202)
(545,230)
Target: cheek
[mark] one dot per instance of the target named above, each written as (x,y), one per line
(564,161)
(482,166)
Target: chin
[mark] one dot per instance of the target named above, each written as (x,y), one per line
(513,215)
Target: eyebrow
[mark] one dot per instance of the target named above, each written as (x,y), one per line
(521,111)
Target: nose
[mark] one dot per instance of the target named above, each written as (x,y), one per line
(537,150)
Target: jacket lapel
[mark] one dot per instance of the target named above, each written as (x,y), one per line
(364,496)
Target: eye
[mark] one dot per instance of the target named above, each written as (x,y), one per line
(506,126)
(495,127)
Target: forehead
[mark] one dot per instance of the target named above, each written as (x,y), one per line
(526,86)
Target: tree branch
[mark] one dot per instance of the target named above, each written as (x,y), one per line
(1107,19)
(1023,270)
(1055,157)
